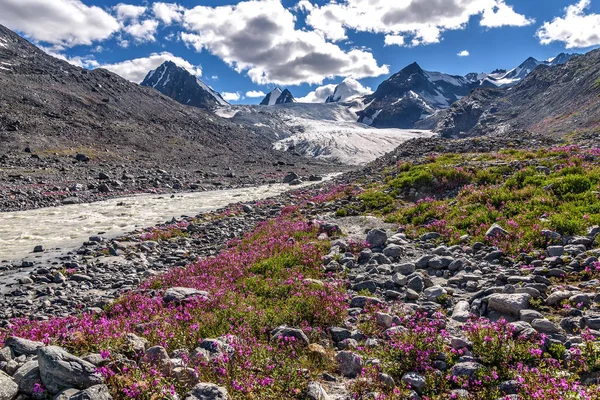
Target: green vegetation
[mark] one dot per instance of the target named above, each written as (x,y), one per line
(523,191)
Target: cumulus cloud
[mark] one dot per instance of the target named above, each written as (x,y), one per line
(142,31)
(228,96)
(391,40)
(319,95)
(423,20)
(255,93)
(464,53)
(168,12)
(136,69)
(59,22)
(351,88)
(129,11)
(575,29)
(259,37)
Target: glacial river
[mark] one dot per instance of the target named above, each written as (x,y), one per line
(67,227)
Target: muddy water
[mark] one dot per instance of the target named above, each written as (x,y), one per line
(66,227)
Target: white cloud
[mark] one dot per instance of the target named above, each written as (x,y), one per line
(83,62)
(228,96)
(129,11)
(464,53)
(59,22)
(423,20)
(136,70)
(259,37)
(352,88)
(255,93)
(168,12)
(391,40)
(319,95)
(142,31)
(575,29)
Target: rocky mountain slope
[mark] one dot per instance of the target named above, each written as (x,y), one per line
(79,126)
(551,100)
(177,83)
(278,96)
(413,97)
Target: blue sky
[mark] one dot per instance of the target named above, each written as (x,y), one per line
(240,47)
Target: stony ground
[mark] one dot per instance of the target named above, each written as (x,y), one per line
(384,308)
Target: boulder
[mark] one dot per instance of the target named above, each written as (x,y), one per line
(97,392)
(509,304)
(466,369)
(284,332)
(350,364)
(27,376)
(315,391)
(414,381)
(208,391)
(376,238)
(158,357)
(23,346)
(182,294)
(8,388)
(495,230)
(60,370)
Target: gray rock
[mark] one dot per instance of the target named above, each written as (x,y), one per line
(440,262)
(8,388)
(315,391)
(338,334)
(462,311)
(284,332)
(66,394)
(495,230)
(414,380)
(466,369)
(23,346)
(405,268)
(430,236)
(208,391)
(182,294)
(350,364)
(415,283)
(509,304)
(158,356)
(555,251)
(433,292)
(529,315)
(543,325)
(135,343)
(27,376)
(376,238)
(6,354)
(557,297)
(393,251)
(60,370)
(97,392)
(290,177)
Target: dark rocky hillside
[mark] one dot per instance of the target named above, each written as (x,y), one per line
(51,111)
(551,100)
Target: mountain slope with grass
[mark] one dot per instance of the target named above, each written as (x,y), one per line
(552,100)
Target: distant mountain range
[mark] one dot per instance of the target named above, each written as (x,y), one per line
(414,95)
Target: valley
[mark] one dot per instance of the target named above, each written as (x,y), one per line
(435,238)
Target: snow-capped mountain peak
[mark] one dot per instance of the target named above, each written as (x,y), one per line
(278,96)
(177,83)
(349,89)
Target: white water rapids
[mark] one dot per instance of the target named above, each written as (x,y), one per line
(67,227)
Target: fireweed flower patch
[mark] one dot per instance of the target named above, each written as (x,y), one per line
(270,277)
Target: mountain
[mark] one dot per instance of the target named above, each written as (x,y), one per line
(550,100)
(57,108)
(277,96)
(348,90)
(412,95)
(177,83)
(503,78)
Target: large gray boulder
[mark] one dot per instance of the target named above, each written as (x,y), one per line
(208,391)
(285,332)
(97,392)
(21,346)
(350,364)
(376,237)
(182,294)
(27,376)
(509,304)
(8,388)
(60,370)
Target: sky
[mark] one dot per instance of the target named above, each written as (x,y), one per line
(244,49)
